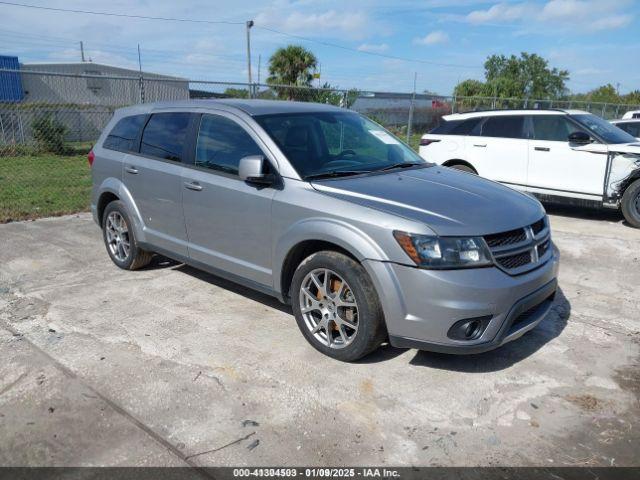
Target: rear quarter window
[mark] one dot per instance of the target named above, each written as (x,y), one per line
(123,135)
(457,127)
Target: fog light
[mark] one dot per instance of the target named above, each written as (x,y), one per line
(469,328)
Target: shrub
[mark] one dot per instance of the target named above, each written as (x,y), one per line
(49,134)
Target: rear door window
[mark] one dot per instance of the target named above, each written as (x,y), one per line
(505,126)
(122,137)
(165,135)
(222,143)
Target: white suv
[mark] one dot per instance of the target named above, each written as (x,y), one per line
(567,156)
(631,126)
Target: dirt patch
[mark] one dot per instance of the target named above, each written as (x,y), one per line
(588,403)
(629,379)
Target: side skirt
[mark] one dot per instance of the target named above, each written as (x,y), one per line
(215,271)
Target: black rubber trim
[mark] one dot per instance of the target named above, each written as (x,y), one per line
(551,189)
(543,297)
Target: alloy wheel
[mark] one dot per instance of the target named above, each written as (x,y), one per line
(329,309)
(118,240)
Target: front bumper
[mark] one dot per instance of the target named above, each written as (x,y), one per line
(421,305)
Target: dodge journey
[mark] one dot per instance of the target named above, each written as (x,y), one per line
(326,210)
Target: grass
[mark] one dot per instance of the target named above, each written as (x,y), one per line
(44,185)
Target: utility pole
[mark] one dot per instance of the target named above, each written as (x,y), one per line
(249,25)
(82,51)
(141,79)
(259,67)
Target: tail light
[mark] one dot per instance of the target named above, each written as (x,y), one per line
(91,157)
(427,141)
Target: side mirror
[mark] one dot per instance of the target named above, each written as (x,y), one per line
(251,170)
(579,138)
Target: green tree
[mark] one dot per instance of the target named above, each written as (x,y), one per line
(632,98)
(470,88)
(291,65)
(237,92)
(526,76)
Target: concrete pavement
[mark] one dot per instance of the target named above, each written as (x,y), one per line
(171,366)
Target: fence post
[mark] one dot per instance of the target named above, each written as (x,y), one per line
(617,111)
(453,104)
(604,108)
(79,126)
(21,128)
(413,98)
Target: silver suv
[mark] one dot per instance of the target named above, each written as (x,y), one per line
(329,212)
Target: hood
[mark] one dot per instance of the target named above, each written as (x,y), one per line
(449,201)
(625,148)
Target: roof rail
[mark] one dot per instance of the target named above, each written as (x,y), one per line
(481,110)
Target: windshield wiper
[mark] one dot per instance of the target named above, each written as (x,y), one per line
(335,173)
(402,165)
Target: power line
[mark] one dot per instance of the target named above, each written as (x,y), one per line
(375,54)
(111,14)
(272,30)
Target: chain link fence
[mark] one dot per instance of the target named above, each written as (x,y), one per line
(47,130)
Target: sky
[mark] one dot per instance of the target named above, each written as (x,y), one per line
(371,45)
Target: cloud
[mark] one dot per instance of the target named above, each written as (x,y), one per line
(590,15)
(330,23)
(376,48)
(500,12)
(432,38)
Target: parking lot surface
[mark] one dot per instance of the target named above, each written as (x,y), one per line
(171,366)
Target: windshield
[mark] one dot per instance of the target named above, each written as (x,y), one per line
(336,144)
(603,129)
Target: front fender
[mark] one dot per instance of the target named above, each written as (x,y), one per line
(340,233)
(118,188)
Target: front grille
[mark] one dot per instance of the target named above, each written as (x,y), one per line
(515,261)
(521,250)
(543,248)
(538,226)
(507,238)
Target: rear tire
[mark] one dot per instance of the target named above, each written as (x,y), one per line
(463,168)
(120,239)
(631,204)
(336,306)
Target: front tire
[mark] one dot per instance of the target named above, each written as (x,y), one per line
(631,204)
(120,239)
(336,306)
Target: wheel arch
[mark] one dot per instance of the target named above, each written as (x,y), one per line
(630,180)
(311,236)
(114,189)
(459,161)
(105,199)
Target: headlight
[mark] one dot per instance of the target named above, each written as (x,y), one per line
(444,252)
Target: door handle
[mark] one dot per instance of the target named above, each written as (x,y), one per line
(193,186)
(542,149)
(480,145)
(131,169)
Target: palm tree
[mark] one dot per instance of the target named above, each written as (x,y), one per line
(291,65)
